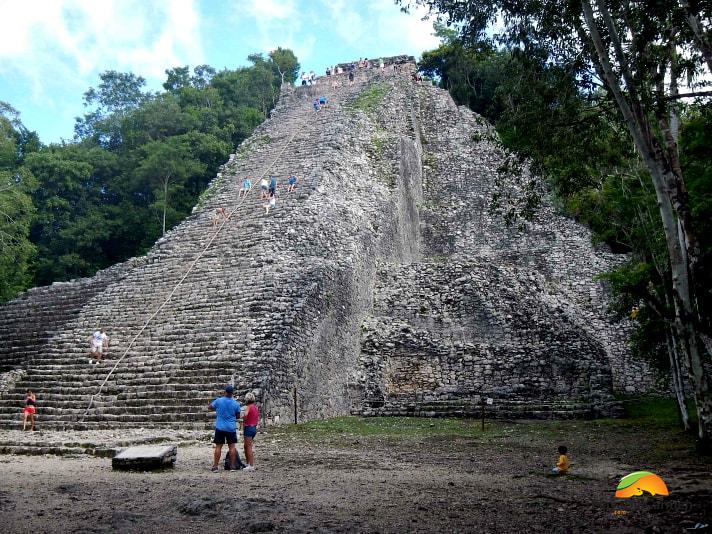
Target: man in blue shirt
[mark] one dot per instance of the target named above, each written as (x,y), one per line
(227,411)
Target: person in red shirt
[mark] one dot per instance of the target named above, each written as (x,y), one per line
(249,422)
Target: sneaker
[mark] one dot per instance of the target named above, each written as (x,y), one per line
(214,469)
(249,468)
(91,361)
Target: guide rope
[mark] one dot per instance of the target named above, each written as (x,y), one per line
(189,270)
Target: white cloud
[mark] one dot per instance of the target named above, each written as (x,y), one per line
(74,40)
(270,10)
(379,27)
(276,23)
(366,26)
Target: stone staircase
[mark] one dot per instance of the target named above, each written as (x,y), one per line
(30,320)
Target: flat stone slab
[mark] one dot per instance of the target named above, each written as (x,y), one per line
(145,457)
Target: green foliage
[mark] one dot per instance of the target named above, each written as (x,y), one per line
(117,94)
(695,137)
(395,427)
(177,78)
(470,74)
(370,100)
(379,142)
(16,209)
(68,194)
(286,64)
(16,250)
(654,412)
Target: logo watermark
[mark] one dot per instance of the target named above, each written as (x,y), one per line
(638,482)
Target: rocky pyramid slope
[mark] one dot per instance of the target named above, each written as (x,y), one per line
(382,285)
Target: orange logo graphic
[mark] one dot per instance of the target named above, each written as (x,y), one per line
(640,481)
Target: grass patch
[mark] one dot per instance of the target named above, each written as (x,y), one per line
(263,140)
(388,179)
(395,427)
(429,160)
(370,99)
(423,140)
(379,144)
(657,412)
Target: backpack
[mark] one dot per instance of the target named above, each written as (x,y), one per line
(226,463)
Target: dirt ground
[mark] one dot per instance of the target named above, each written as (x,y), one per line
(376,475)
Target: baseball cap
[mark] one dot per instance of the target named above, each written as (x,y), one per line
(229,389)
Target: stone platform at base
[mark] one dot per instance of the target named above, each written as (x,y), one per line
(101,443)
(145,457)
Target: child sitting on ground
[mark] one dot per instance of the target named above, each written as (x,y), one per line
(562,466)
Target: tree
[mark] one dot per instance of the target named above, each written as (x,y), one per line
(286,64)
(159,117)
(68,189)
(117,94)
(16,209)
(16,250)
(25,141)
(247,95)
(202,74)
(167,165)
(177,78)
(631,49)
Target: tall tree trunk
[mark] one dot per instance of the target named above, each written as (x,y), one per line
(165,203)
(671,197)
(674,91)
(678,385)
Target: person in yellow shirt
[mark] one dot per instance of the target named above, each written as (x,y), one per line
(562,466)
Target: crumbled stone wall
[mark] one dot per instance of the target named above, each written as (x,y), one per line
(9,378)
(511,312)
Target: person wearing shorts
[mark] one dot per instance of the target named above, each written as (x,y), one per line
(246,186)
(227,410)
(272,186)
(249,431)
(264,187)
(98,339)
(29,410)
(291,183)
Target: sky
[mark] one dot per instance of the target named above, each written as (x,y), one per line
(52,51)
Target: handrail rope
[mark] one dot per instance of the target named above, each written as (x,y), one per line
(189,270)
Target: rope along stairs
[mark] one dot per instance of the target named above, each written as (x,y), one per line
(200,255)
